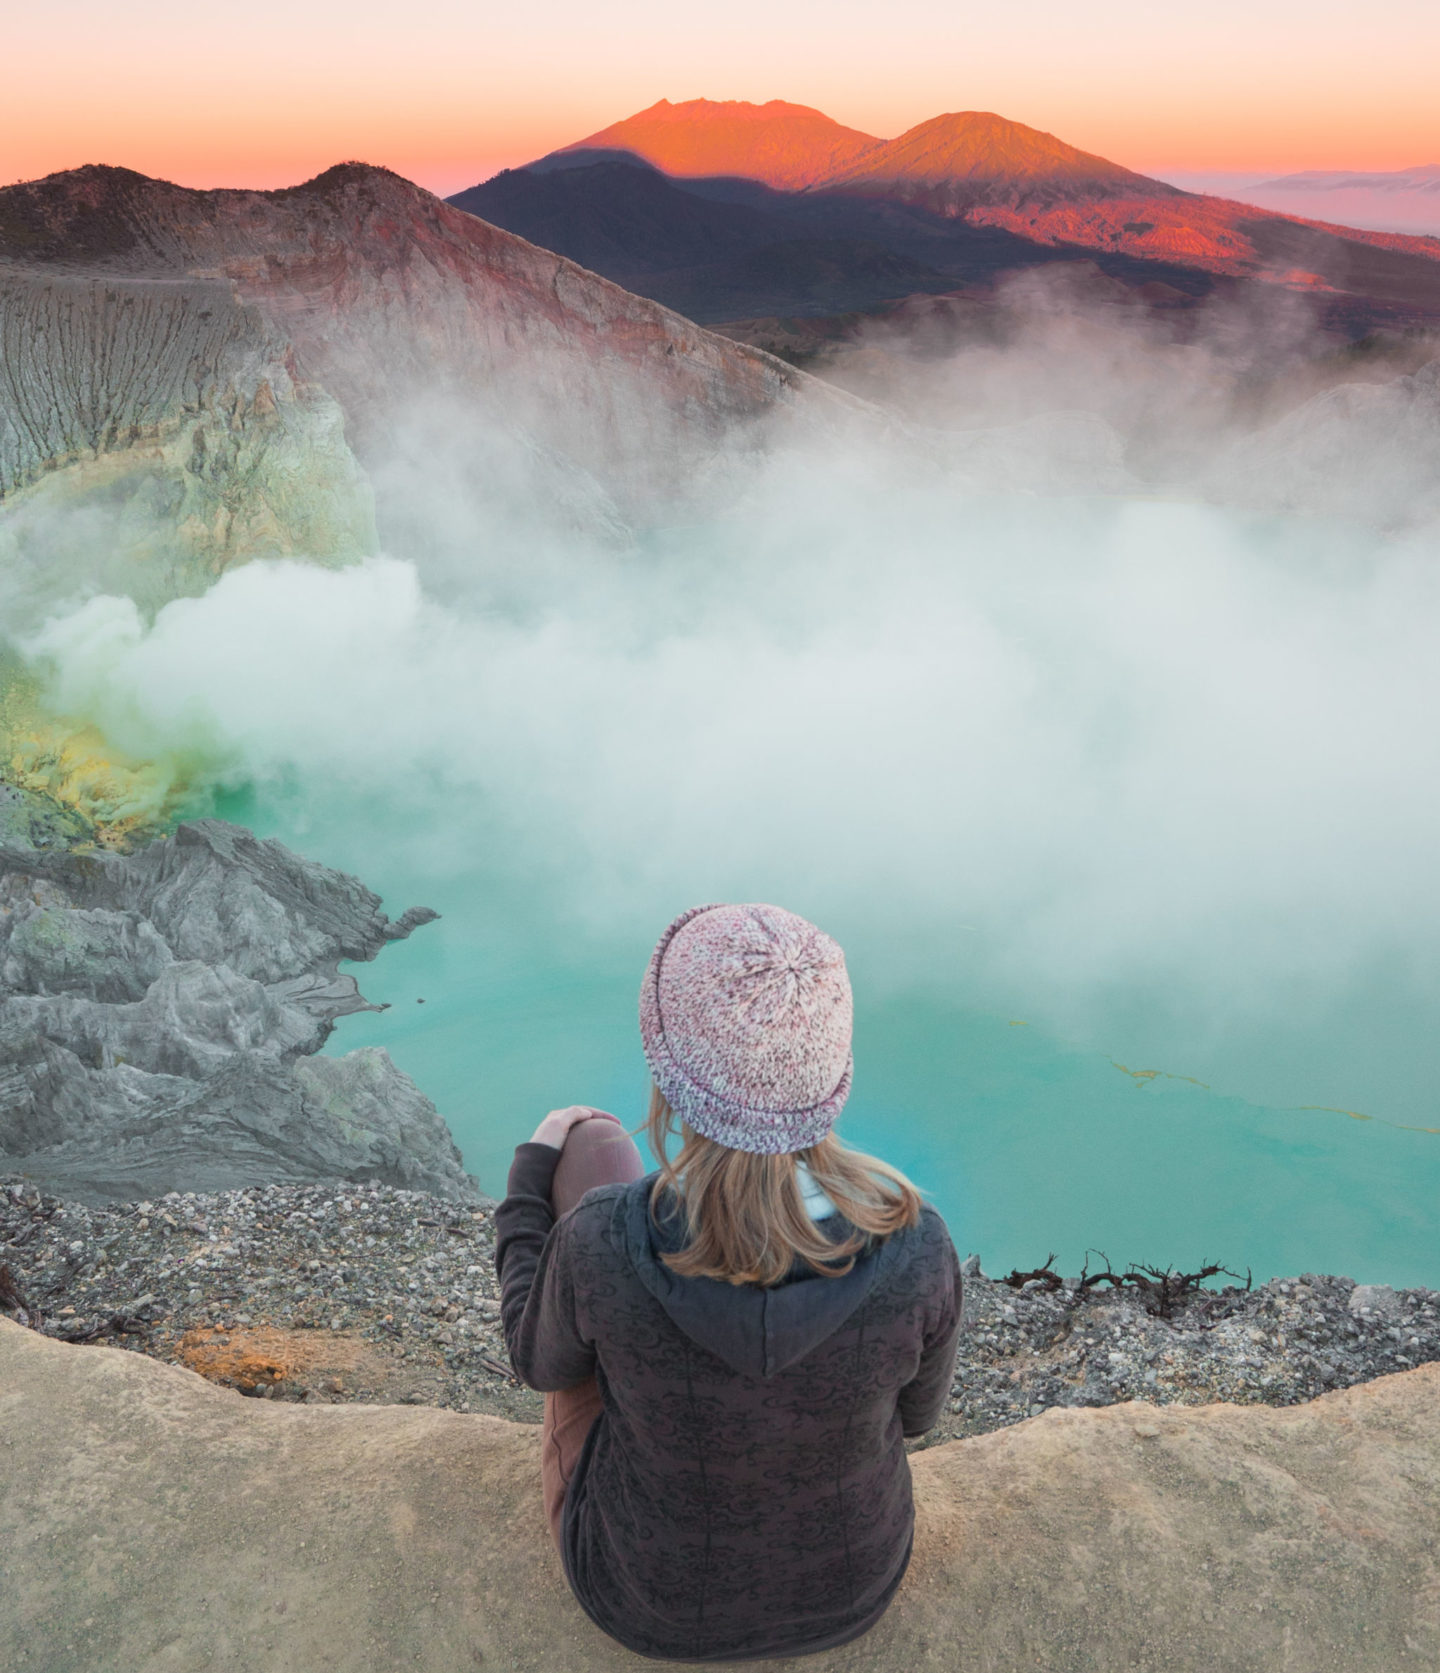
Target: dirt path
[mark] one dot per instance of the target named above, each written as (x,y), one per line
(151,1520)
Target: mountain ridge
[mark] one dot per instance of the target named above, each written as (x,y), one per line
(796,148)
(957,177)
(1037,166)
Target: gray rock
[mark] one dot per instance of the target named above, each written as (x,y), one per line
(1374,1298)
(159,1016)
(35,821)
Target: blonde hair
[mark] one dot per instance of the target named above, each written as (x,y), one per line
(746,1217)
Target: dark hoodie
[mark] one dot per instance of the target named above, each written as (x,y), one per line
(744,1492)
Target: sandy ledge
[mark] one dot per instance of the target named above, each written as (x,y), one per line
(151,1520)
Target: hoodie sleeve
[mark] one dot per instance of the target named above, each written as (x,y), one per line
(922,1399)
(536,1272)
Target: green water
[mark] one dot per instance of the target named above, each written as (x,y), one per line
(1030,1143)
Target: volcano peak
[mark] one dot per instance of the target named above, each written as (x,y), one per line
(782,145)
(977,155)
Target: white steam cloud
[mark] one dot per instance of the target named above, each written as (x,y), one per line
(1057,750)
(1125,742)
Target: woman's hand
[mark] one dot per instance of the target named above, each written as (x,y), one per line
(556,1126)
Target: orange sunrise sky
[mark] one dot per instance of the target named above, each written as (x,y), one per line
(270,93)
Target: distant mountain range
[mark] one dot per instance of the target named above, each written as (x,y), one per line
(947,162)
(1423,179)
(729,210)
(1405,200)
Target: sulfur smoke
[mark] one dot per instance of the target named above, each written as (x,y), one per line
(1012,695)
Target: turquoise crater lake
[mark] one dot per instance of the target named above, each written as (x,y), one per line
(1027,1141)
(1124,813)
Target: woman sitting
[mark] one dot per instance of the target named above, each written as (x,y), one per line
(733,1347)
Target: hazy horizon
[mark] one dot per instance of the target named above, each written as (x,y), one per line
(474,94)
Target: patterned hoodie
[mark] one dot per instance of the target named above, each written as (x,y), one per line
(745,1492)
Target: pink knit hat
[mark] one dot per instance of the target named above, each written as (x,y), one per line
(745,1018)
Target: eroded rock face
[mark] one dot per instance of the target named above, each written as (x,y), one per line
(159,1016)
(153,431)
(189,379)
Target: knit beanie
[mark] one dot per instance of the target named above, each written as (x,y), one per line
(745,1017)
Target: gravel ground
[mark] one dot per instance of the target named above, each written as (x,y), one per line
(367,1293)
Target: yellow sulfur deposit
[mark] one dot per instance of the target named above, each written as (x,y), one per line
(119,800)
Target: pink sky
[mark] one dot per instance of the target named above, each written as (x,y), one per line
(271,93)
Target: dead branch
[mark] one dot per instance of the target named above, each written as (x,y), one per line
(1160,1289)
(1045,1275)
(495,1367)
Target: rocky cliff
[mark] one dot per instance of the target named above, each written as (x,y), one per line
(160,1015)
(166,413)
(194,377)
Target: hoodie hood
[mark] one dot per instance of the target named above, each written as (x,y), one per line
(757,1332)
